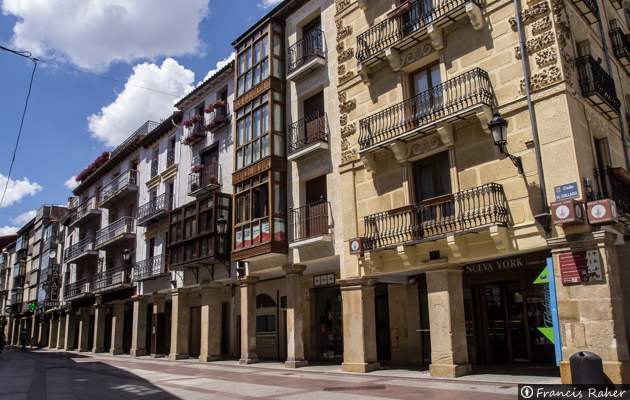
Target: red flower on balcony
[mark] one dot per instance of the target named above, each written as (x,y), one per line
(209,108)
(188,123)
(219,104)
(196,168)
(100,160)
(210,126)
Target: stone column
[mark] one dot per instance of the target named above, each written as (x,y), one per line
(447,322)
(84,329)
(180,324)
(52,332)
(248,320)
(139,329)
(70,331)
(42,331)
(34,331)
(61,331)
(10,326)
(359,325)
(158,326)
(210,323)
(99,328)
(118,327)
(295,316)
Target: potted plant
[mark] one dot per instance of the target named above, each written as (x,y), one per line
(197,168)
(209,108)
(188,123)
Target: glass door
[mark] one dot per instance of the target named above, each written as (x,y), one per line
(427,92)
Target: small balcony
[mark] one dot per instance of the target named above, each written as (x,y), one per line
(306,55)
(408,24)
(154,167)
(49,243)
(21,244)
(621,47)
(597,86)
(118,232)
(195,132)
(77,290)
(218,116)
(3,261)
(466,211)
(614,184)
(588,9)
(154,210)
(204,179)
(111,279)
(85,213)
(82,249)
(150,268)
(121,186)
(170,157)
(310,224)
(456,98)
(307,136)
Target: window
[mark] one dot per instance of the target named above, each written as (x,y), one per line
(170,153)
(253,63)
(583,48)
(252,212)
(252,132)
(154,161)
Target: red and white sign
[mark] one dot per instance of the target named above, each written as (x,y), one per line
(580,267)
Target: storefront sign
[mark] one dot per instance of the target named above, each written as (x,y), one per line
(580,267)
(495,265)
(568,191)
(324,280)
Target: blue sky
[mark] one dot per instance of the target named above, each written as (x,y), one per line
(73,116)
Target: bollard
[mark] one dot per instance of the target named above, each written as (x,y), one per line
(587,369)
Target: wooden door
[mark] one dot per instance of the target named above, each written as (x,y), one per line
(316,210)
(314,118)
(433,192)
(210,162)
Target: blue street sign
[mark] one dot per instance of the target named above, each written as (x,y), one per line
(568,191)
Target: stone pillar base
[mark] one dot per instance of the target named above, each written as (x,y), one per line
(245,361)
(155,355)
(116,352)
(98,350)
(359,367)
(295,363)
(210,358)
(138,353)
(616,371)
(175,356)
(449,370)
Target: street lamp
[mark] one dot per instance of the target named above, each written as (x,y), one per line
(498,127)
(126,255)
(221,225)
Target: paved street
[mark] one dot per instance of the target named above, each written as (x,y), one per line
(57,376)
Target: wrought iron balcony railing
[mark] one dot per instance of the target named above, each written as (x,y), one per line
(307,131)
(77,289)
(124,181)
(309,221)
(170,157)
(154,209)
(149,268)
(19,269)
(588,9)
(114,231)
(154,167)
(458,212)
(111,279)
(446,100)
(206,180)
(614,184)
(597,86)
(79,249)
(21,244)
(83,210)
(620,44)
(309,47)
(49,242)
(410,18)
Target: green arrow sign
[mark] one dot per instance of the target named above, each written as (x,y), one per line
(542,277)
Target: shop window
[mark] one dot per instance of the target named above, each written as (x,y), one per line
(265,324)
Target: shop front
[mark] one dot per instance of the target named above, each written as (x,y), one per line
(327,320)
(508,306)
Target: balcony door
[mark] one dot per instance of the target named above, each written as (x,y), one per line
(311,34)
(315,219)
(427,92)
(433,191)
(210,161)
(314,118)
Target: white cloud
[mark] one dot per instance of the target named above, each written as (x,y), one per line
(134,105)
(220,64)
(71,183)
(268,3)
(23,218)
(8,230)
(17,190)
(95,33)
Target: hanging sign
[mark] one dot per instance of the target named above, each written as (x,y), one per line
(580,267)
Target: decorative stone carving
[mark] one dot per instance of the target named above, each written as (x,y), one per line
(347,106)
(546,57)
(393,56)
(475,15)
(341,69)
(536,44)
(342,31)
(416,53)
(345,78)
(345,55)
(348,130)
(425,145)
(544,78)
(531,14)
(341,5)
(435,34)
(343,119)
(542,25)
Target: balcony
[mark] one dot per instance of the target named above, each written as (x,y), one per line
(85,213)
(118,232)
(3,261)
(408,24)
(81,250)
(19,269)
(306,55)
(154,210)
(21,244)
(77,290)
(119,187)
(466,211)
(218,116)
(597,86)
(170,157)
(463,95)
(588,9)
(150,268)
(307,136)
(614,184)
(205,181)
(111,279)
(49,242)
(621,47)
(154,167)
(309,224)
(196,132)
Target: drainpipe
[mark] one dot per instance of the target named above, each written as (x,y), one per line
(544,218)
(602,37)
